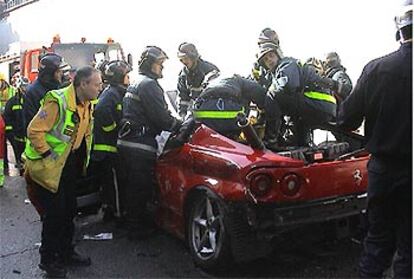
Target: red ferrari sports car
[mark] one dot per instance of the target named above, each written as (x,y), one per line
(228,199)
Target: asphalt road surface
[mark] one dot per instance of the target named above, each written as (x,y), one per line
(161,256)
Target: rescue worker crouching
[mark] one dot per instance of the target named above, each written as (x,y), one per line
(105,165)
(259,71)
(57,153)
(192,75)
(223,99)
(144,115)
(296,91)
(13,116)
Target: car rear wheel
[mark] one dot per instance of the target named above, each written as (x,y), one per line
(207,235)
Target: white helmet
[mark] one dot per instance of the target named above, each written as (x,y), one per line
(405,16)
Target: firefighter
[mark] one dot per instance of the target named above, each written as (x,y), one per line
(144,115)
(337,72)
(382,98)
(57,153)
(13,116)
(296,91)
(223,98)
(259,72)
(6,91)
(191,76)
(107,116)
(52,68)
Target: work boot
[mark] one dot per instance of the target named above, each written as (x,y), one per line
(74,258)
(271,135)
(53,269)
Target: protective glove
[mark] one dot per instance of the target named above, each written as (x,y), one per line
(176,125)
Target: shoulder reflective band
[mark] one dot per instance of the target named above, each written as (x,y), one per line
(320,96)
(94,102)
(105,147)
(9,127)
(119,107)
(217,114)
(109,128)
(17,107)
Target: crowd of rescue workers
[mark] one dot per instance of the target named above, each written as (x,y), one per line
(41,119)
(60,133)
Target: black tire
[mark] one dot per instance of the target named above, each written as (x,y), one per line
(207,234)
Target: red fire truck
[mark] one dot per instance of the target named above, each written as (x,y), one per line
(75,54)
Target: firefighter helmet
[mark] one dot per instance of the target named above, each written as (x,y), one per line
(52,62)
(268,35)
(317,64)
(405,16)
(115,71)
(189,50)
(266,48)
(101,65)
(150,55)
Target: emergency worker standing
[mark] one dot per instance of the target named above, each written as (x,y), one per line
(107,116)
(191,76)
(337,72)
(6,92)
(51,76)
(144,115)
(383,97)
(13,116)
(296,91)
(223,99)
(57,153)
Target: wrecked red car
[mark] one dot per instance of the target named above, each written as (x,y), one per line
(228,199)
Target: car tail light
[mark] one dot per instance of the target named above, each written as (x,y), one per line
(260,185)
(290,184)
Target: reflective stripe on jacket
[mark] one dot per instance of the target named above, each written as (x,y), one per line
(6,95)
(60,135)
(47,171)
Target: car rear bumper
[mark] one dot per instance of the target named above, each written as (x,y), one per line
(268,216)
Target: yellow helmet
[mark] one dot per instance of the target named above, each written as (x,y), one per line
(2,76)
